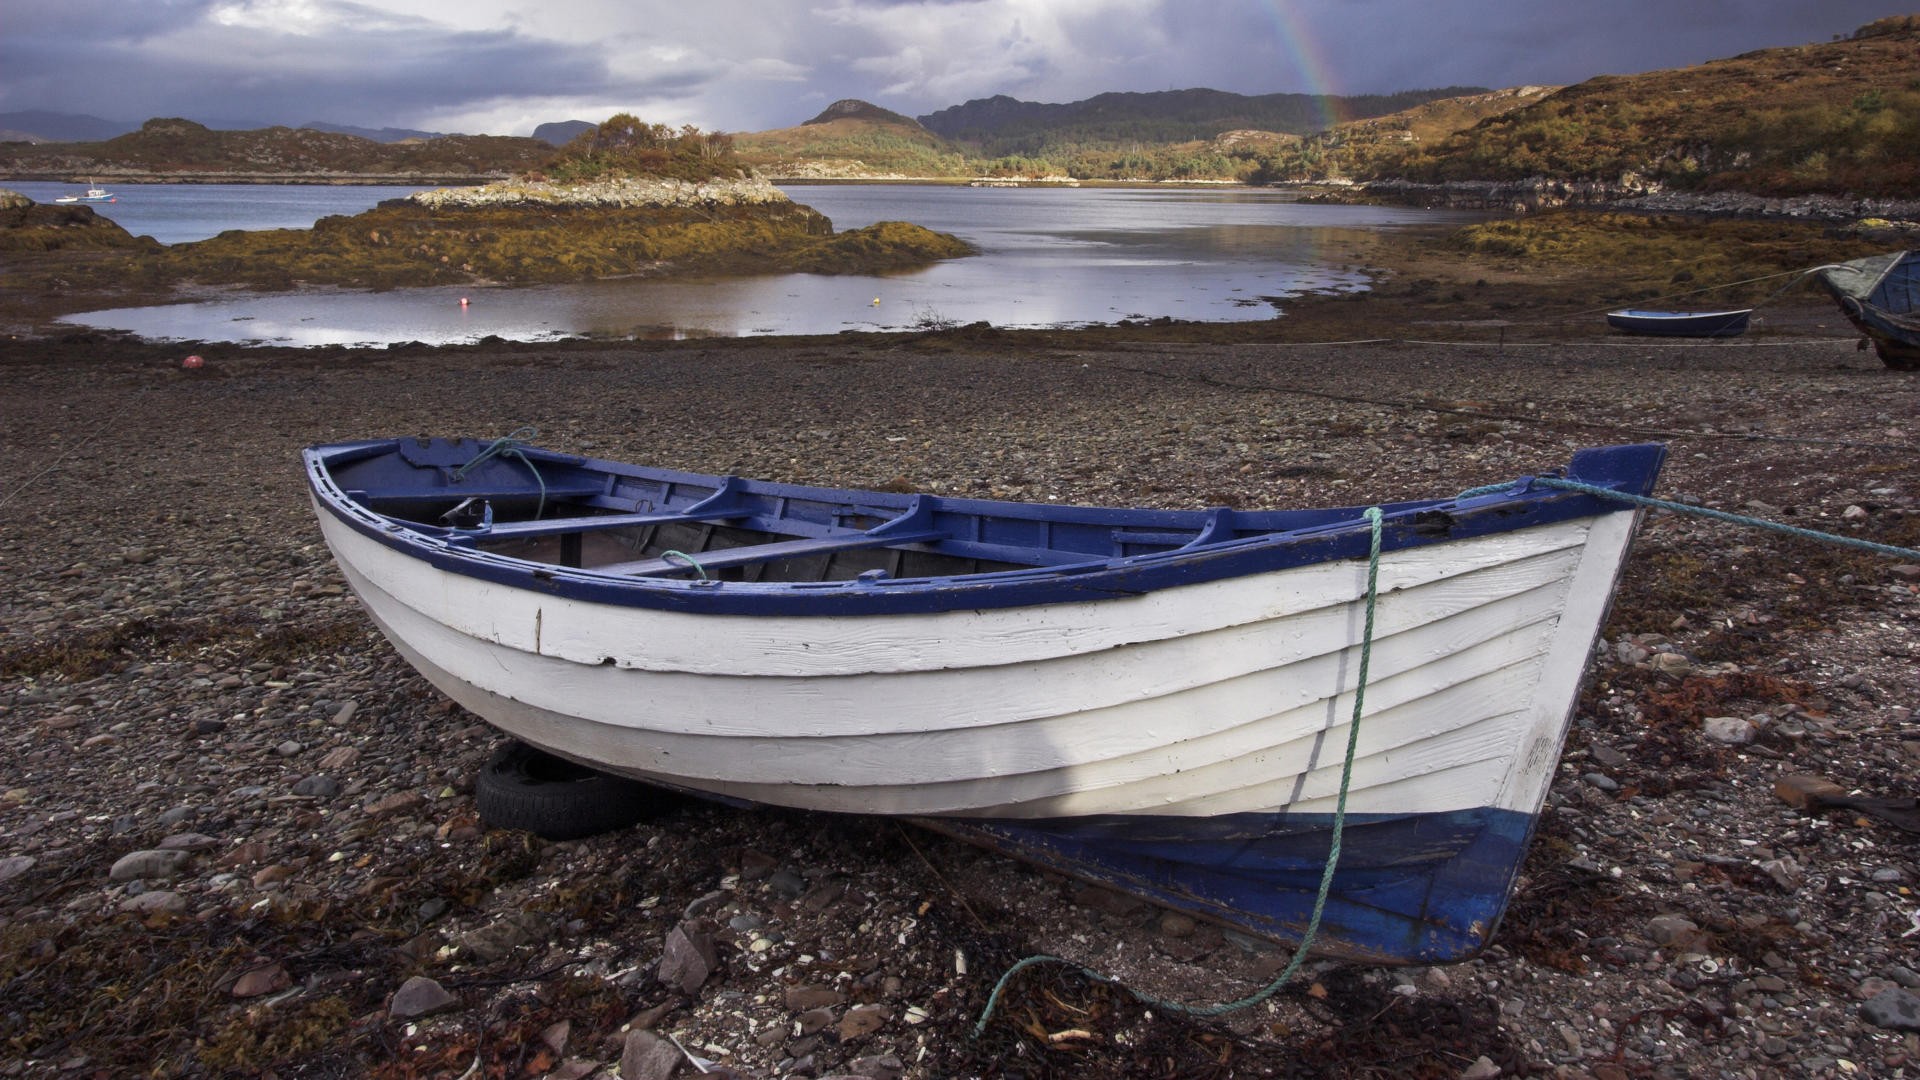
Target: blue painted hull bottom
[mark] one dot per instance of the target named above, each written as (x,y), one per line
(1409,889)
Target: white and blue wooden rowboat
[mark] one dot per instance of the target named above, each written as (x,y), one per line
(1158,700)
(1681,323)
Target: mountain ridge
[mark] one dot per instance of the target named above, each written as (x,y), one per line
(1176,115)
(172,148)
(1835,119)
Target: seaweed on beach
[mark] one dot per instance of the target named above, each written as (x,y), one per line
(102,650)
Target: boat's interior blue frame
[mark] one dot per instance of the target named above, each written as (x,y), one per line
(1070,553)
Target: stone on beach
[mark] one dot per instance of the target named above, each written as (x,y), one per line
(156,863)
(421,996)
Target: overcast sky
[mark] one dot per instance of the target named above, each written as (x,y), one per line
(503,66)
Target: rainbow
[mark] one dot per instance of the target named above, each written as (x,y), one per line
(1297,50)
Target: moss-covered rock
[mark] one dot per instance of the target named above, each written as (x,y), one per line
(886,245)
(518,233)
(408,242)
(27,226)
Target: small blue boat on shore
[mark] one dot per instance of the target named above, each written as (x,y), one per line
(1693,324)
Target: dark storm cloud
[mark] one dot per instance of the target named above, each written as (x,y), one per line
(231,65)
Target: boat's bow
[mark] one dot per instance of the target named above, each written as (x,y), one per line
(1880,295)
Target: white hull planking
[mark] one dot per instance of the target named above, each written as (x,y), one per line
(1225,697)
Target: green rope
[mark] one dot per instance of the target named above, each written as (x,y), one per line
(509,446)
(1374,519)
(1700,511)
(690,560)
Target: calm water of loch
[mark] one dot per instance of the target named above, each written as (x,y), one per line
(1049,257)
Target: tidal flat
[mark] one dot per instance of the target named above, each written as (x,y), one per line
(182,670)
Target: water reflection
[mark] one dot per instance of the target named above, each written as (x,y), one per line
(178,213)
(1050,258)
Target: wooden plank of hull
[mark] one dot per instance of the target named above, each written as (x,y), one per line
(1507,636)
(1087,780)
(869,706)
(596,634)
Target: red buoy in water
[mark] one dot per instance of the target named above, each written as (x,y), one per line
(192,362)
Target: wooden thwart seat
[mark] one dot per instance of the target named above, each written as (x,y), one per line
(722,558)
(564,526)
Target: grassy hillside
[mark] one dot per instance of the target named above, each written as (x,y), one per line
(1840,117)
(1381,145)
(852,138)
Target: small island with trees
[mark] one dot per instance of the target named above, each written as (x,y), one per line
(627,198)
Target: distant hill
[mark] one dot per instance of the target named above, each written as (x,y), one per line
(379,135)
(1001,125)
(855,109)
(1174,135)
(1840,117)
(40,125)
(176,149)
(561,132)
(852,139)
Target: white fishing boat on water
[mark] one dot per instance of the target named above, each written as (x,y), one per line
(92,195)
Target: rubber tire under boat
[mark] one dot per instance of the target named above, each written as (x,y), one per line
(521,787)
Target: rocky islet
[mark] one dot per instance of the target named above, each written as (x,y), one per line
(511,232)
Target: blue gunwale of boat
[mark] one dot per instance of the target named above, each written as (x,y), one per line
(1257,541)
(1413,888)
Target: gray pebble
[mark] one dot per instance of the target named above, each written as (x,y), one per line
(318,785)
(1896,1008)
(149,864)
(420,996)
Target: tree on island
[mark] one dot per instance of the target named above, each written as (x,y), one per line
(625,145)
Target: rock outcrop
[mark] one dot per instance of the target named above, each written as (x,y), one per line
(526,232)
(624,193)
(27,226)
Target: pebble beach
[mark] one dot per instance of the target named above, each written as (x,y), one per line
(238,835)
